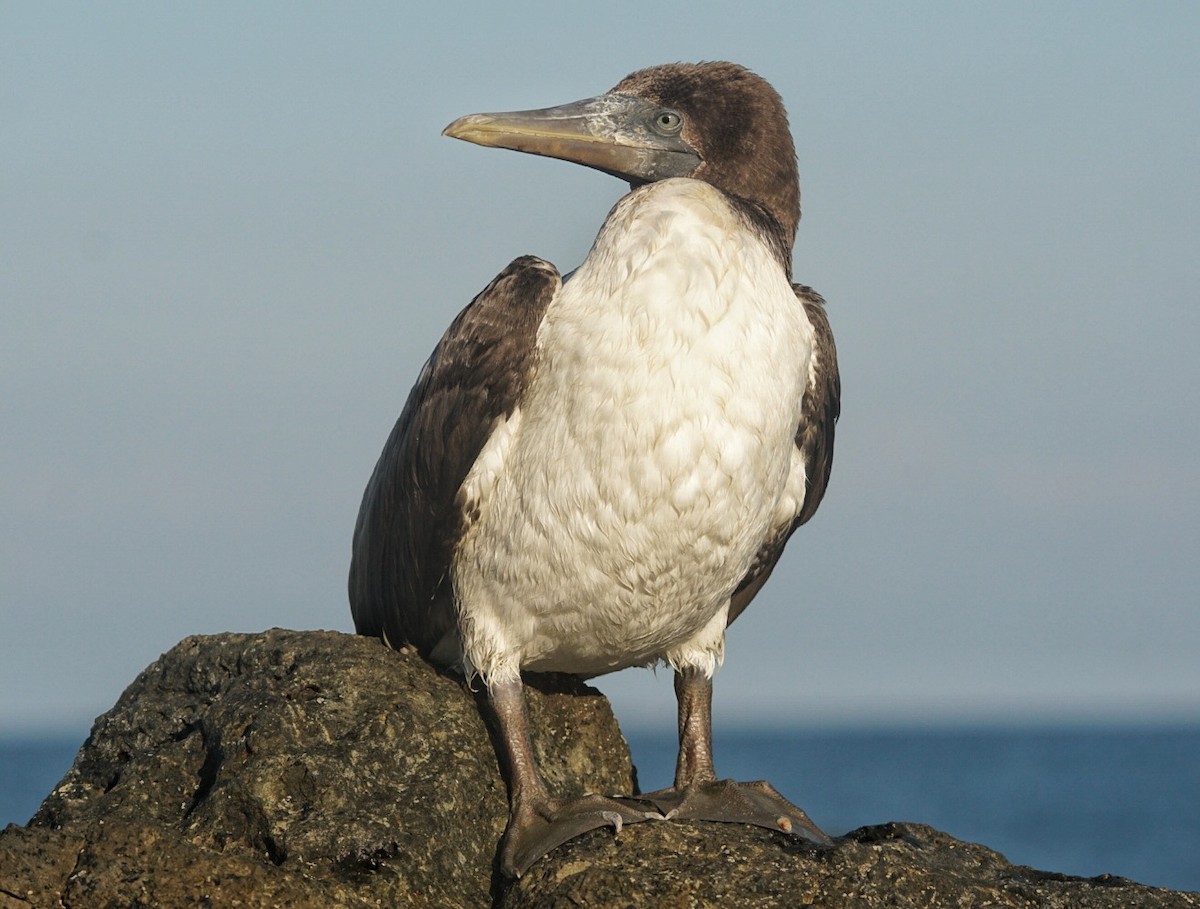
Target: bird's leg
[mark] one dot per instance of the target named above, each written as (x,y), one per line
(693,694)
(538,822)
(699,795)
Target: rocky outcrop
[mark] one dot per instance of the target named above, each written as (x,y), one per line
(320,769)
(889,865)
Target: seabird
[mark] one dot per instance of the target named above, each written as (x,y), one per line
(601,470)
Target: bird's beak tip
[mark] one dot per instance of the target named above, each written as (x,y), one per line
(454,130)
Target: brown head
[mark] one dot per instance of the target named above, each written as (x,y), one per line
(716,122)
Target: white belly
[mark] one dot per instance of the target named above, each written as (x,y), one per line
(625,499)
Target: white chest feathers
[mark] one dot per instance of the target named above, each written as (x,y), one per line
(647,463)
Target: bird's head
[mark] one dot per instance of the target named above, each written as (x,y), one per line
(716,122)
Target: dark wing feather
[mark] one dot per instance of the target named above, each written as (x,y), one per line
(822,407)
(410,522)
(814,438)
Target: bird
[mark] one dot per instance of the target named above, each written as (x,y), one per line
(600,469)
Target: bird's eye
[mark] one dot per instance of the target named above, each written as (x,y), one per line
(667,122)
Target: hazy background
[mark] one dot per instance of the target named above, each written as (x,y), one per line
(231,233)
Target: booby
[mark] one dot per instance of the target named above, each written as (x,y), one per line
(601,470)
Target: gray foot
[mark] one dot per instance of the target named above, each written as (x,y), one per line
(726,801)
(534,831)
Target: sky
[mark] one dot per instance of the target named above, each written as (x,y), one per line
(230,234)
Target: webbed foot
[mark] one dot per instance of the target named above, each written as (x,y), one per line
(731,802)
(537,828)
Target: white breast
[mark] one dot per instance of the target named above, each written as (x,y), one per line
(647,463)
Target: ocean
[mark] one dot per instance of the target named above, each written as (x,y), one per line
(1081,801)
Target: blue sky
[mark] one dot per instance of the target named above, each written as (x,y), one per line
(230,235)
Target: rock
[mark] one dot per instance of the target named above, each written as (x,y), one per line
(297,769)
(730,865)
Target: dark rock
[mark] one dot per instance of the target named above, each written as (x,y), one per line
(320,769)
(723,865)
(295,769)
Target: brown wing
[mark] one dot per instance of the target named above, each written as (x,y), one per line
(814,439)
(409,522)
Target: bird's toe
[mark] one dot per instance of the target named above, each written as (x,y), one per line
(535,831)
(726,801)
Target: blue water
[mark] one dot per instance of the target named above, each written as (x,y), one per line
(1077,801)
